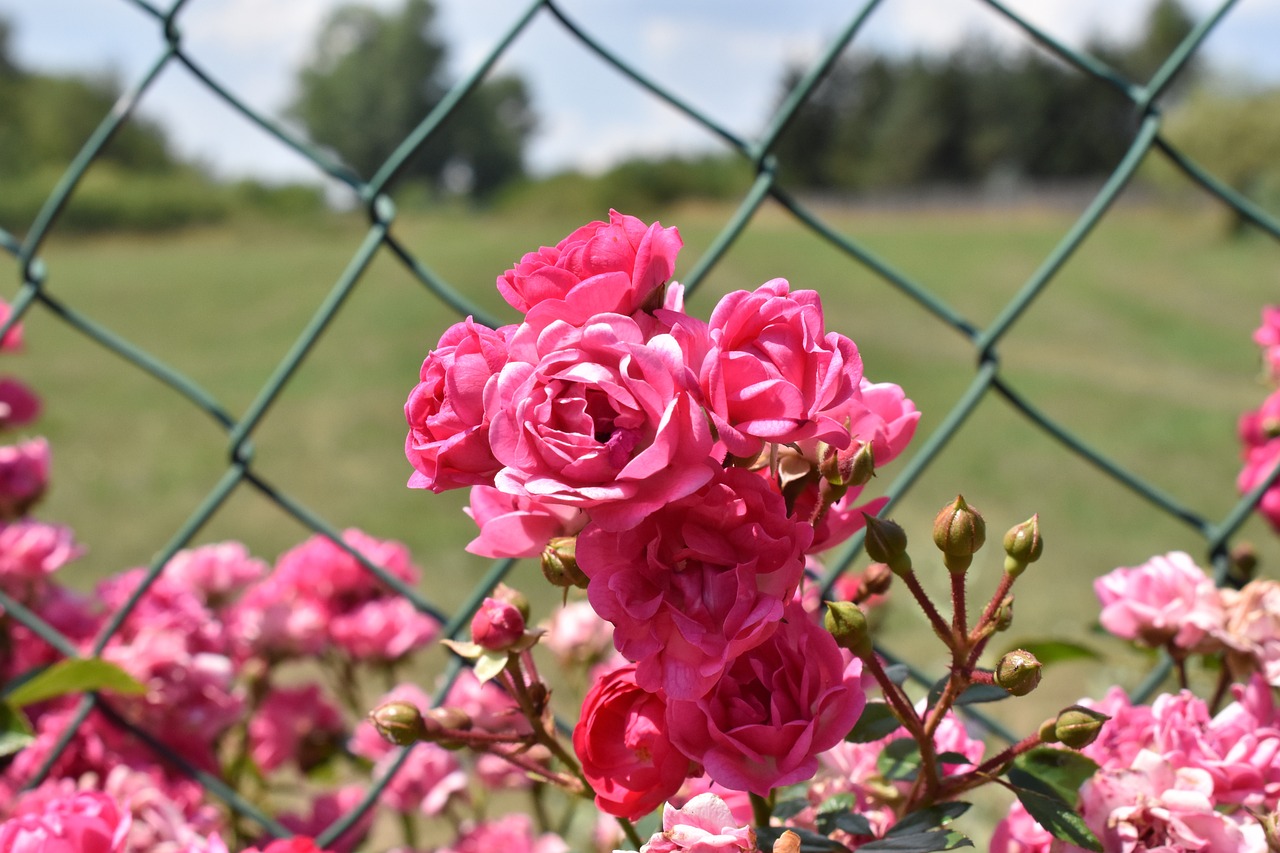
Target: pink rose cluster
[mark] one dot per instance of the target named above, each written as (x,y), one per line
(1170,602)
(1173,777)
(1259,429)
(697,463)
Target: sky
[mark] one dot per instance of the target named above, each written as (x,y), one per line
(724,56)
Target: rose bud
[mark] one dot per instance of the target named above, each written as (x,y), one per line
(846,622)
(959,531)
(1018,672)
(514,597)
(560,563)
(886,543)
(1078,726)
(1022,545)
(400,723)
(497,626)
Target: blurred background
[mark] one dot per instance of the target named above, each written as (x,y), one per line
(948,144)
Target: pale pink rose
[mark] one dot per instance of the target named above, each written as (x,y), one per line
(1168,599)
(773,374)
(1155,806)
(85,822)
(169,813)
(775,709)
(216,572)
(705,824)
(512,833)
(614,267)
(739,802)
(1130,730)
(297,725)
(604,421)
(32,550)
(448,440)
(1252,630)
(697,583)
(272,620)
(24,475)
(1259,463)
(517,525)
(384,629)
(623,741)
(19,405)
(576,634)
(1018,832)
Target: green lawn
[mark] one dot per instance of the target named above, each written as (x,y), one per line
(1142,346)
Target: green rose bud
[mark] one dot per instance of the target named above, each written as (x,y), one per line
(1078,726)
(560,563)
(1018,672)
(886,543)
(400,723)
(1022,545)
(848,624)
(959,531)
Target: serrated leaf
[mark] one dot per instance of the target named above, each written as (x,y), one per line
(810,841)
(1043,802)
(80,675)
(934,817)
(899,760)
(1057,651)
(1063,771)
(920,842)
(15,730)
(877,721)
(489,665)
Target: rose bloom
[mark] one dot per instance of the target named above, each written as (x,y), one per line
(1258,426)
(622,741)
(704,825)
(614,267)
(603,421)
(448,440)
(19,405)
(1167,599)
(294,724)
(576,634)
(773,374)
(697,583)
(1253,629)
(1018,832)
(517,525)
(1267,336)
(774,710)
(24,474)
(510,834)
(84,822)
(1259,462)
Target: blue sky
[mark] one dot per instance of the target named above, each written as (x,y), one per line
(726,56)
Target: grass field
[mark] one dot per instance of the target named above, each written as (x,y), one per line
(1141,345)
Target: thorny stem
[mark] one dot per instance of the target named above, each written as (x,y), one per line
(940,626)
(959,608)
(988,769)
(536,719)
(983,630)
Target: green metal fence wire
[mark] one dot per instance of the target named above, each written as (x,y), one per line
(241,473)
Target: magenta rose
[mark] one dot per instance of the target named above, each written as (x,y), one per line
(774,710)
(86,822)
(1168,599)
(613,267)
(516,525)
(623,743)
(24,474)
(773,374)
(697,583)
(448,440)
(603,421)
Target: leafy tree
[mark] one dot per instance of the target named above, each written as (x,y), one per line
(374,76)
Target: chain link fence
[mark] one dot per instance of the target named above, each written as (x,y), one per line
(34,261)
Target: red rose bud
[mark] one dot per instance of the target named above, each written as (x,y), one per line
(400,723)
(1018,672)
(845,621)
(959,531)
(514,597)
(1078,726)
(497,626)
(560,563)
(877,579)
(1022,545)
(886,543)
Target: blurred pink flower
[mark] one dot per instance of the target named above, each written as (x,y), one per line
(30,551)
(297,725)
(1253,629)
(1259,462)
(384,629)
(24,475)
(512,833)
(1168,599)
(326,809)
(19,405)
(1267,336)
(1018,832)
(577,634)
(215,572)
(84,822)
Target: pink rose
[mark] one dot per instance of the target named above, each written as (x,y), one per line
(1252,629)
(516,525)
(1267,336)
(697,583)
(773,374)
(704,825)
(86,822)
(883,417)
(623,743)
(215,572)
(1129,731)
(604,421)
(774,710)
(19,405)
(384,629)
(12,340)
(326,809)
(448,440)
(1259,462)
(1166,599)
(297,844)
(294,725)
(1260,425)
(497,625)
(512,833)
(613,268)
(32,550)
(576,634)
(1018,832)
(24,475)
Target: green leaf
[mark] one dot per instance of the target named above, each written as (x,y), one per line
(1057,651)
(1063,771)
(920,842)
(899,760)
(877,721)
(1052,812)
(837,813)
(789,808)
(810,841)
(489,665)
(81,675)
(934,817)
(15,730)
